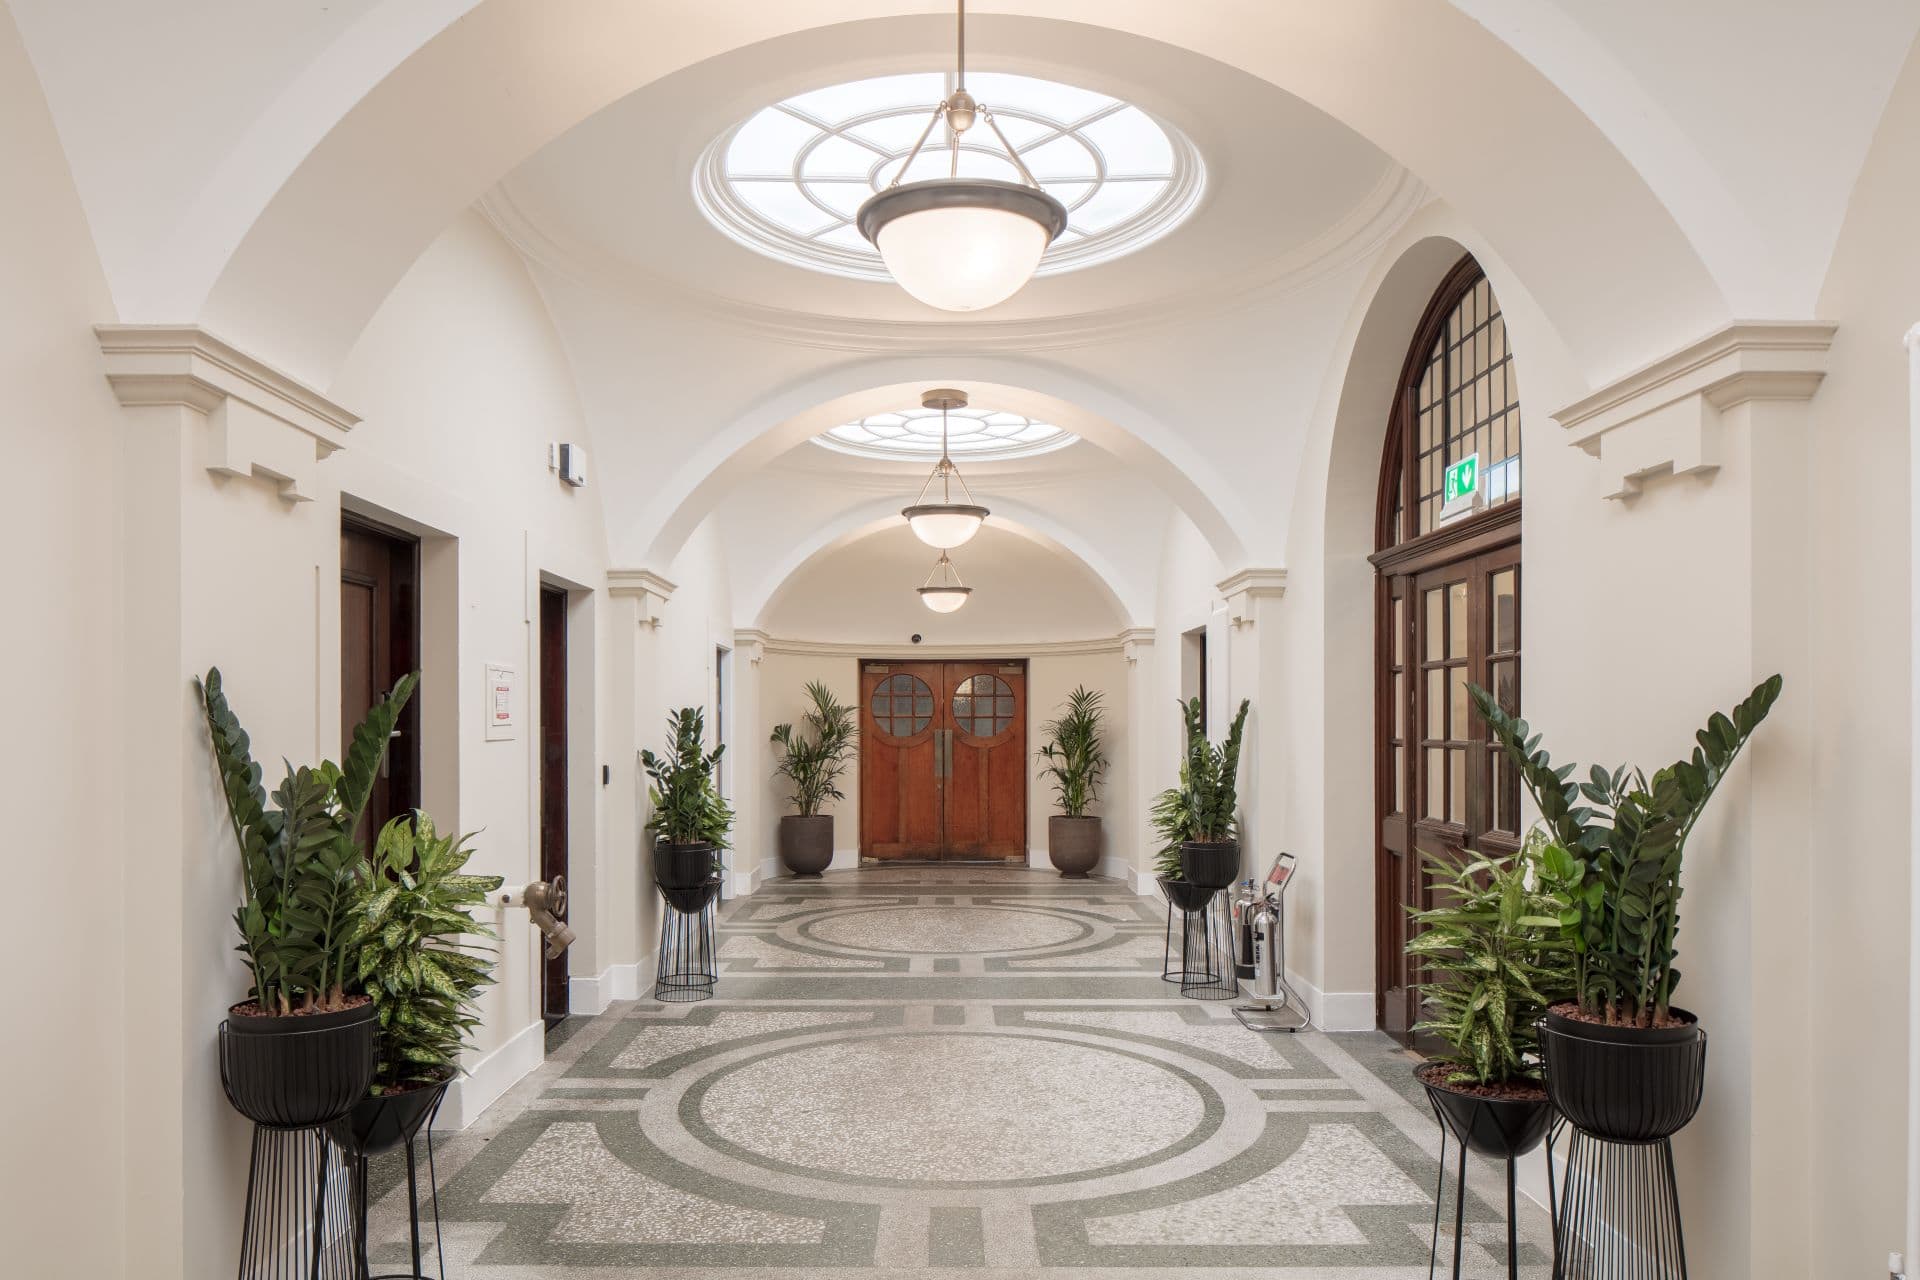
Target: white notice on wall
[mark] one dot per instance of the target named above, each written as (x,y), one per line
(503,702)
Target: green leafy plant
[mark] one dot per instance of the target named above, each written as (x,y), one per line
(1495,958)
(1205,806)
(813,759)
(1074,751)
(1620,838)
(687,807)
(301,869)
(415,959)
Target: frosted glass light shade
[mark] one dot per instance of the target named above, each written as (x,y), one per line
(962,244)
(944,599)
(944,525)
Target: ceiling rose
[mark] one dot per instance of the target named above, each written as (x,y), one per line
(789,181)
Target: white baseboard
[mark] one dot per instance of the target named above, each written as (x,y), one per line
(588,996)
(1145,884)
(845,860)
(1337,1010)
(741,884)
(486,1080)
(1115,869)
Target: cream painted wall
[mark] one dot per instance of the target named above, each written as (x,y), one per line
(1858,607)
(67,835)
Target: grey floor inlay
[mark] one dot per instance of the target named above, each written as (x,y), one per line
(947,1073)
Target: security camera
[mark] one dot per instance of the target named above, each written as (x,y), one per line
(916,637)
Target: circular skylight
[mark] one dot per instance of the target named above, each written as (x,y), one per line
(788,181)
(980,434)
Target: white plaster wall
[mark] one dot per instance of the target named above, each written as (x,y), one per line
(69,1067)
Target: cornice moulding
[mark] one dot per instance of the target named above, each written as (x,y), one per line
(1245,588)
(1665,418)
(261,423)
(896,650)
(647,589)
(164,364)
(1393,200)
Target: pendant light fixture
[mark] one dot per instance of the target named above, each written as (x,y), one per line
(947,594)
(961,244)
(945,523)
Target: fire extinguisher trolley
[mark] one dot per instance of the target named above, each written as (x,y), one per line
(1271,1004)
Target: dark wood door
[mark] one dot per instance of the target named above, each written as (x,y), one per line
(1444,787)
(984,760)
(554,998)
(379,643)
(943,761)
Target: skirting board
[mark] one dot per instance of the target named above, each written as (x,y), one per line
(1113,868)
(588,996)
(486,1080)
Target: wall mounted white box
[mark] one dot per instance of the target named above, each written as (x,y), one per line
(569,462)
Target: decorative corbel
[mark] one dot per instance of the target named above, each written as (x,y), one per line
(1134,643)
(647,589)
(751,644)
(1245,588)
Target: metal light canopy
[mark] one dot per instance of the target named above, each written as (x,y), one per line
(949,593)
(946,523)
(961,244)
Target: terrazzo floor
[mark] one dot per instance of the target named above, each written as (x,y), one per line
(949,1072)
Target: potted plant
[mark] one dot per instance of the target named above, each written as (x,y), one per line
(812,761)
(690,817)
(1623,1062)
(1492,948)
(299,1050)
(1075,760)
(1210,850)
(423,974)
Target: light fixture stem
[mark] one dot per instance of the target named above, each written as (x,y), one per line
(960,80)
(1012,154)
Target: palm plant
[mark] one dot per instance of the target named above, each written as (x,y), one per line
(1620,838)
(301,868)
(1074,752)
(1205,806)
(415,962)
(687,807)
(813,759)
(1495,958)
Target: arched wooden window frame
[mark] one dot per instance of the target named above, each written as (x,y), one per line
(1405,559)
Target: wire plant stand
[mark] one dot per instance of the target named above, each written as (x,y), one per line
(689,959)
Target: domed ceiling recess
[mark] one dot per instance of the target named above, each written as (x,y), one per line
(788,180)
(972,432)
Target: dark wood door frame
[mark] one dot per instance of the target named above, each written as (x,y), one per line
(555,1000)
(379,643)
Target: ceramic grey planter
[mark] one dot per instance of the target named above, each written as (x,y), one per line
(1074,845)
(806,843)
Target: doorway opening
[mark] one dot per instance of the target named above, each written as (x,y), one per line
(555,1001)
(943,761)
(379,643)
(1448,614)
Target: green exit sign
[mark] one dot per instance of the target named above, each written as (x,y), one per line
(1463,479)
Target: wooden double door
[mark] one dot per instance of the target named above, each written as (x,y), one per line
(943,761)
(1443,785)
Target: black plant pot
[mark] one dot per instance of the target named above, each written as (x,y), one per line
(296,1072)
(1625,1084)
(1212,864)
(1186,896)
(1504,1128)
(689,899)
(683,866)
(380,1122)
(806,842)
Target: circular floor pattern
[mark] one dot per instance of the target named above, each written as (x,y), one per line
(940,930)
(952,1109)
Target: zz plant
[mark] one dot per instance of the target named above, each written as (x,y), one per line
(812,759)
(1205,806)
(687,807)
(1496,961)
(1075,751)
(302,871)
(415,959)
(1621,837)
